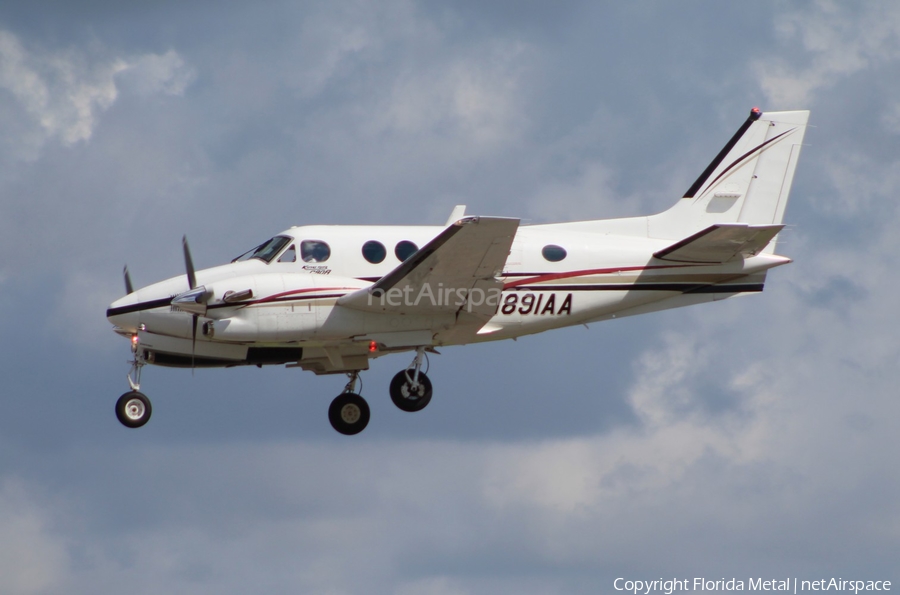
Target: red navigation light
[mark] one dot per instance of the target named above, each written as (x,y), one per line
(373,346)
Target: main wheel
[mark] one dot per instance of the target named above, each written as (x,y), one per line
(405,396)
(349,414)
(133,409)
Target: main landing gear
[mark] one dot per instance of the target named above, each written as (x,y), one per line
(349,412)
(410,391)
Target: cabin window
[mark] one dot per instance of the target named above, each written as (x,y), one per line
(314,251)
(553,253)
(290,255)
(405,249)
(374,251)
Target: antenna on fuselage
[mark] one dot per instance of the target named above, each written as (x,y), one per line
(458,212)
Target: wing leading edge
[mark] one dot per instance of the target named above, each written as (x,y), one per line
(456,270)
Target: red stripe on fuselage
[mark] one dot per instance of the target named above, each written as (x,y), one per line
(283,294)
(588,272)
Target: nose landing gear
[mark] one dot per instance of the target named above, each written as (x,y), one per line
(133,408)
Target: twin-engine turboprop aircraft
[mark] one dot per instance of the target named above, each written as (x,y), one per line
(330,298)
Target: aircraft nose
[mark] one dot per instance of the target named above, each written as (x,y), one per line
(125,313)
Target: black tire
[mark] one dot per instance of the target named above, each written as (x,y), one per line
(404,397)
(349,414)
(133,409)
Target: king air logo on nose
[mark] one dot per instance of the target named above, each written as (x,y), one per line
(328,299)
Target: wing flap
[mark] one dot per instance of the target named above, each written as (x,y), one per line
(456,270)
(721,243)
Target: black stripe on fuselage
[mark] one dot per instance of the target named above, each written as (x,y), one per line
(256,356)
(680,287)
(161,303)
(139,307)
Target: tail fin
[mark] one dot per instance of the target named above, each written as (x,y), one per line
(748,182)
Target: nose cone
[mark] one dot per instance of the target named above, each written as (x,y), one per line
(148,306)
(125,313)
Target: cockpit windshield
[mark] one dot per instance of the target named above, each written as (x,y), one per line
(265,251)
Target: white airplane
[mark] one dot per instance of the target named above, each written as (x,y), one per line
(330,298)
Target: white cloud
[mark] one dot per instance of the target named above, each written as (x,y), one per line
(158,73)
(63,93)
(838,41)
(589,195)
(891,118)
(474,99)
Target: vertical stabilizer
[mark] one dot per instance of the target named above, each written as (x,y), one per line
(748,181)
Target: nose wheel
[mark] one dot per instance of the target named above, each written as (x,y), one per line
(349,412)
(133,409)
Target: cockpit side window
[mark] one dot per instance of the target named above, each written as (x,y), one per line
(314,251)
(265,251)
(289,255)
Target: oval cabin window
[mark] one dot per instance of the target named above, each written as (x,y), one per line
(553,253)
(374,251)
(405,249)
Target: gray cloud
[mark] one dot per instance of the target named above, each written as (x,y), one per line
(746,437)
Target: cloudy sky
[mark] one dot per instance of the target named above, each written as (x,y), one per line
(754,437)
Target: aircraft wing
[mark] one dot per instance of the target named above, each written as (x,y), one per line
(721,243)
(455,272)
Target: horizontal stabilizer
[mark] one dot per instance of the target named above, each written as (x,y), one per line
(464,258)
(721,243)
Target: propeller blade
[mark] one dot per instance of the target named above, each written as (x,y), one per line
(193,341)
(189,263)
(192,283)
(129,288)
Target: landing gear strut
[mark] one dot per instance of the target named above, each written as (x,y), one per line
(349,412)
(411,389)
(133,408)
